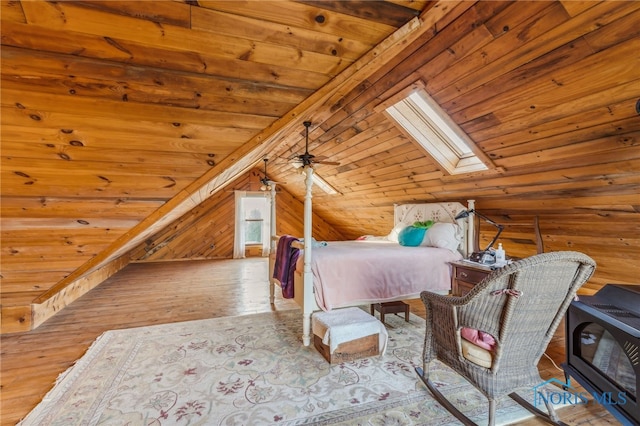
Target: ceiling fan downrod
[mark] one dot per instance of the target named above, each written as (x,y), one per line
(306,158)
(266,183)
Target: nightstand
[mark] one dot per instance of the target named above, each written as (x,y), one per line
(466,275)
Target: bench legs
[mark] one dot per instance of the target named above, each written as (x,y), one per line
(390,308)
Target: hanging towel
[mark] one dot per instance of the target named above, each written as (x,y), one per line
(285,264)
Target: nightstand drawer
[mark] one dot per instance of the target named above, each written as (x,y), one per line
(466,275)
(463,288)
(470,275)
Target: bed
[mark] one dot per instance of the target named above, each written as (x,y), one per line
(374,269)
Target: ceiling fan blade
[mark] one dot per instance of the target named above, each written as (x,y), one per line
(331,163)
(323,159)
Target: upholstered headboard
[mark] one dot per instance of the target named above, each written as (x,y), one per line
(438,212)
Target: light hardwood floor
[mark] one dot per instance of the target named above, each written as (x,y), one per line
(157,293)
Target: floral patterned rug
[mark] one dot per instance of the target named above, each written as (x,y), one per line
(252,370)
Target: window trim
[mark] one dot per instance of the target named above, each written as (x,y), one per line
(454,158)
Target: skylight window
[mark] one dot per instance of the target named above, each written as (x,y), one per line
(323,184)
(423,119)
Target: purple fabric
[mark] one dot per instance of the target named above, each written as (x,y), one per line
(285,264)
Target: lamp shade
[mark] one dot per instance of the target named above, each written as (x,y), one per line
(463,214)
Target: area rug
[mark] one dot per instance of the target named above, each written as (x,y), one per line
(253,370)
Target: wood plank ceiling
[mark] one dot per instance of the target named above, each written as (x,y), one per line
(118,117)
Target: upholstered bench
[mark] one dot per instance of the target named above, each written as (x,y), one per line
(347,334)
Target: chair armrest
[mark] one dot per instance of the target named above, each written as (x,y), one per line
(440,299)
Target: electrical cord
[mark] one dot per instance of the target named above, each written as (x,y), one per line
(553,362)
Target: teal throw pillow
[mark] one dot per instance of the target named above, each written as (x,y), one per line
(411,236)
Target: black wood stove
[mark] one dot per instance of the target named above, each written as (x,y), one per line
(603,348)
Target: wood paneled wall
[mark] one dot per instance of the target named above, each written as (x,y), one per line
(207,232)
(610,235)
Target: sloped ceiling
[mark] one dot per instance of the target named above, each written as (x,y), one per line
(120,116)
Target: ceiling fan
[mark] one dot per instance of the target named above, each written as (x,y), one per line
(307,159)
(266,182)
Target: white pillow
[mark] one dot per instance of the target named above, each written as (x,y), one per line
(393,235)
(443,235)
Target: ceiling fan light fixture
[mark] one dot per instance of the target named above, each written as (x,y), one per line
(267,184)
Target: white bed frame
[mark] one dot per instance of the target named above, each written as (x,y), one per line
(303,282)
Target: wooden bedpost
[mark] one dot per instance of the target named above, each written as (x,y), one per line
(309,298)
(272,245)
(471,238)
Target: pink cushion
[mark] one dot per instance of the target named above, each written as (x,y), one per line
(479,338)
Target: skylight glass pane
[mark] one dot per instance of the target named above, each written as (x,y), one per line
(430,114)
(434,130)
(323,184)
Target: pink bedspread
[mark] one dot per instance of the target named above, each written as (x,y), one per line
(360,272)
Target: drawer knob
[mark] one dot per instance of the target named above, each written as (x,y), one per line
(463,274)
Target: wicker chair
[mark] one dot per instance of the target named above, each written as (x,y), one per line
(520,305)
